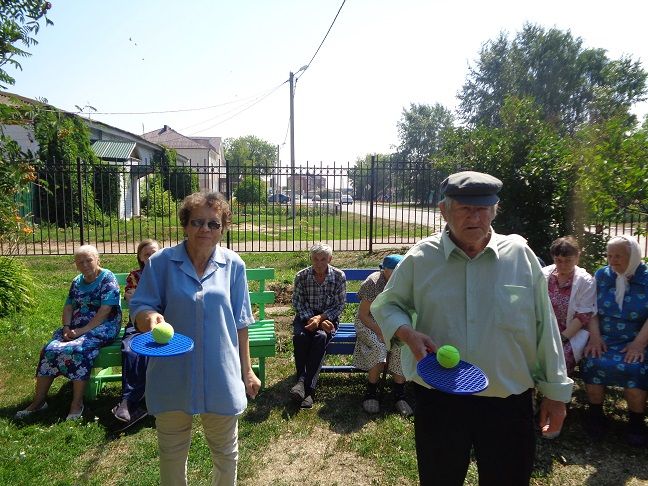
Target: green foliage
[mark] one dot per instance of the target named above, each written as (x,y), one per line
(62,139)
(106,186)
(16,286)
(569,83)
(251,190)
(613,172)
(156,201)
(179,181)
(16,176)
(249,155)
(20,20)
(531,159)
(423,131)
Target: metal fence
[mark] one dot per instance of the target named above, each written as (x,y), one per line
(115,205)
(365,207)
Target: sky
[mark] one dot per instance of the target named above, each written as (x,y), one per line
(229,62)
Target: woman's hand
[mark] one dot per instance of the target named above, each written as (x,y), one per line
(595,346)
(147,320)
(128,295)
(252,384)
(72,334)
(634,352)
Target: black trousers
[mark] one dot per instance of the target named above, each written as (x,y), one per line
(500,430)
(133,368)
(309,350)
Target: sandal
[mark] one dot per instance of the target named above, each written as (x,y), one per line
(26,413)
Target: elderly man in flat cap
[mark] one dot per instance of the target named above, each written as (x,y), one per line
(485,294)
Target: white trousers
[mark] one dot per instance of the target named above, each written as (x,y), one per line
(174,439)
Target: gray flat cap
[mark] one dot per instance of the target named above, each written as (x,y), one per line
(472,188)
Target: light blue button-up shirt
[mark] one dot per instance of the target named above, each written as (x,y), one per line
(494,308)
(210,310)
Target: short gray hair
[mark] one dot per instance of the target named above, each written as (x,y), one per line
(319,248)
(86,250)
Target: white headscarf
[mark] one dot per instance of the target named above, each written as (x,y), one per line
(635,259)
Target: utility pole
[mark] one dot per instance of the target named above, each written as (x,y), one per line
(292,143)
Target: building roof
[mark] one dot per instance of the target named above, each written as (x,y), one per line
(109,150)
(168,137)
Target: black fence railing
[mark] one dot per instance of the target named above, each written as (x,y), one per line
(115,205)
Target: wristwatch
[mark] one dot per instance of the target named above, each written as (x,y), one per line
(564,338)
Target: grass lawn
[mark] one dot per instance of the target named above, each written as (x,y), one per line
(334,443)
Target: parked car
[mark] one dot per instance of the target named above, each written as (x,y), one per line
(346,199)
(279,198)
(316,198)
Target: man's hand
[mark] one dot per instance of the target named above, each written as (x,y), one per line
(313,323)
(327,326)
(552,416)
(420,344)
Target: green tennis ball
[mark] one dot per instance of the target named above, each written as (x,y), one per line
(162,333)
(448,356)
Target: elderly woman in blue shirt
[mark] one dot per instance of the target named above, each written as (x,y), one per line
(201,289)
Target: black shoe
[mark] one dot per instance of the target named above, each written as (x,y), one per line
(307,402)
(298,392)
(121,411)
(138,414)
(596,425)
(636,436)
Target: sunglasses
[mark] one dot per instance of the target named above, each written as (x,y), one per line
(199,223)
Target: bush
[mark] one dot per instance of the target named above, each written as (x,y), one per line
(16,286)
(156,201)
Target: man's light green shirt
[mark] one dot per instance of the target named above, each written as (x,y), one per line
(494,309)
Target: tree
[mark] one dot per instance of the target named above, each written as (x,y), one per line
(20,21)
(612,168)
(532,159)
(421,131)
(571,84)
(249,155)
(361,178)
(250,191)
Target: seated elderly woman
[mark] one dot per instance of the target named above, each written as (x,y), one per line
(370,353)
(572,292)
(91,319)
(616,352)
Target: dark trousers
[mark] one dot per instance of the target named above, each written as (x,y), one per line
(309,350)
(133,369)
(500,430)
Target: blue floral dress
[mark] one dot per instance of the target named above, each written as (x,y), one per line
(618,329)
(74,359)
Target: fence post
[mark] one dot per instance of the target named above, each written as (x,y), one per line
(372,193)
(228,196)
(80,195)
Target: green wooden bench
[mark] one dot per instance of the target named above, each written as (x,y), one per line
(107,366)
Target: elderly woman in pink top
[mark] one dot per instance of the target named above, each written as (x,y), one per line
(572,292)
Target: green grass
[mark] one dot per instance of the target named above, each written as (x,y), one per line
(271,223)
(345,445)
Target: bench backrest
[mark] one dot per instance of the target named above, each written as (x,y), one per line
(259,297)
(356,274)
(121,280)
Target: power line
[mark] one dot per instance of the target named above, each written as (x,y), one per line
(179,110)
(322,43)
